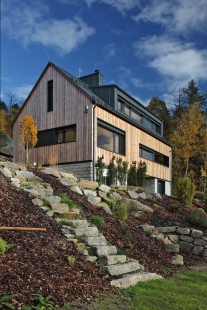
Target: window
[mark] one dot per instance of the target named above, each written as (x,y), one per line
(136,116)
(56,135)
(126,110)
(50,96)
(147,123)
(153,156)
(120,105)
(110,138)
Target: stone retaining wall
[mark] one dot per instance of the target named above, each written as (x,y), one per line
(82,171)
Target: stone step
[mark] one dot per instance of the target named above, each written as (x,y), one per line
(114,259)
(133,279)
(95,241)
(85,231)
(78,223)
(105,250)
(119,269)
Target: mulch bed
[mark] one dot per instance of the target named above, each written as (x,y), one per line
(38,260)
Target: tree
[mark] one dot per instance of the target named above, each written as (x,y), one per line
(141,173)
(159,108)
(122,167)
(187,140)
(27,134)
(111,172)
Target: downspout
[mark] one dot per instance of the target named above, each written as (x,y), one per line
(94,138)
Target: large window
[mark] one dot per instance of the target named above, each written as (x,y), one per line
(110,138)
(152,155)
(50,96)
(56,135)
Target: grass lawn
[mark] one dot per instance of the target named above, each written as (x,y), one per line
(184,291)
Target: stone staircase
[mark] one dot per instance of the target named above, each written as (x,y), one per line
(124,271)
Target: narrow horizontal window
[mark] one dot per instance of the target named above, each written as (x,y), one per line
(110,138)
(154,156)
(56,135)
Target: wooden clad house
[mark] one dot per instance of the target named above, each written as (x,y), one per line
(79,119)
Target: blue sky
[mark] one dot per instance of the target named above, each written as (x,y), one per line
(149,48)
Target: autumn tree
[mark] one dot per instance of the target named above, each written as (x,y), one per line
(27,134)
(159,108)
(187,139)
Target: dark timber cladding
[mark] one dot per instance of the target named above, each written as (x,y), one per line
(56,102)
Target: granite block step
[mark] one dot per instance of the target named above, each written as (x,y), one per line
(105,250)
(114,259)
(95,241)
(133,279)
(119,269)
(85,231)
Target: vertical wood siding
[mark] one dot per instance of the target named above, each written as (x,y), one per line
(68,108)
(134,136)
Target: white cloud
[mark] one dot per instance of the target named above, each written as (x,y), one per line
(177,62)
(110,50)
(22,91)
(180,16)
(28,24)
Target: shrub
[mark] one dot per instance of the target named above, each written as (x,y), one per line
(4,246)
(185,190)
(132,174)
(99,170)
(98,221)
(141,173)
(122,209)
(111,172)
(197,220)
(71,260)
(122,167)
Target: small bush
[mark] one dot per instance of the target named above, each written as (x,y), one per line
(111,172)
(197,220)
(185,190)
(4,246)
(98,221)
(71,260)
(100,170)
(122,209)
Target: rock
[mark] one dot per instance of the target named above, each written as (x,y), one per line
(133,194)
(173,238)
(186,247)
(68,176)
(95,241)
(78,223)
(85,231)
(166,229)
(167,241)
(173,248)
(133,279)
(67,182)
(119,269)
(104,188)
(102,194)
(105,207)
(147,228)
(32,193)
(200,242)
(137,189)
(88,184)
(196,233)
(160,236)
(52,199)
(91,259)
(136,213)
(69,236)
(27,175)
(15,182)
(6,172)
(177,260)
(114,259)
(116,196)
(106,250)
(50,213)
(122,188)
(53,172)
(60,208)
(6,143)
(88,192)
(142,195)
(76,189)
(138,206)
(94,200)
(186,238)
(71,214)
(183,231)
(38,202)
(197,250)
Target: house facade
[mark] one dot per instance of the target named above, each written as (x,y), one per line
(79,119)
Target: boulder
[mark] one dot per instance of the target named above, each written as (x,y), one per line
(67,182)
(94,200)
(173,238)
(60,208)
(132,194)
(86,184)
(197,250)
(177,259)
(138,206)
(53,172)
(116,196)
(185,246)
(104,188)
(105,207)
(68,176)
(88,192)
(6,172)
(183,231)
(196,233)
(76,189)
(38,202)
(6,143)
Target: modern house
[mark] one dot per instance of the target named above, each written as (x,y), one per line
(79,119)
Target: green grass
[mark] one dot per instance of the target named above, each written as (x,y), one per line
(98,221)
(4,246)
(65,199)
(185,291)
